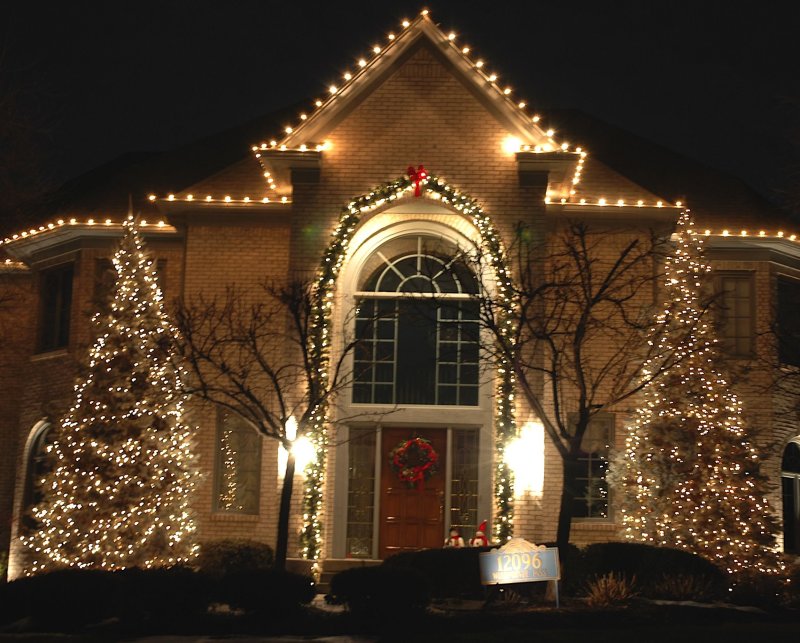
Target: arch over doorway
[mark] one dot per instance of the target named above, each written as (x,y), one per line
(490,245)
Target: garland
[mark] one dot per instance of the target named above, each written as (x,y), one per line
(414,461)
(320,338)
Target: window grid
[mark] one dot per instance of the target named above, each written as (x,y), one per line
(395,294)
(360,493)
(464,482)
(736,313)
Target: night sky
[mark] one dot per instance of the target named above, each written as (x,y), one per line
(718,81)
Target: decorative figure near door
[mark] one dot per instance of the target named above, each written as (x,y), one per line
(480,539)
(454,540)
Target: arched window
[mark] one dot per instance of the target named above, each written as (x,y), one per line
(790,486)
(36,467)
(417,326)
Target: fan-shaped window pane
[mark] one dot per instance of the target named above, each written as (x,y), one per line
(420,347)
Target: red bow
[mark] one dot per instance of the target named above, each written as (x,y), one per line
(417,176)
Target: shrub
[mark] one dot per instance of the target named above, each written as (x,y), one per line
(64,599)
(684,587)
(162,596)
(263,591)
(449,572)
(610,589)
(757,589)
(73,598)
(382,592)
(651,566)
(220,557)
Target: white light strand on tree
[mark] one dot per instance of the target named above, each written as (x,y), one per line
(690,475)
(227,499)
(122,461)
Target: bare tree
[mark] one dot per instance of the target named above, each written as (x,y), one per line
(255,356)
(576,345)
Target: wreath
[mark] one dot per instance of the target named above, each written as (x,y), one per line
(414,461)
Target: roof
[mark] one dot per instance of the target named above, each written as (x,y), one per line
(620,165)
(717,199)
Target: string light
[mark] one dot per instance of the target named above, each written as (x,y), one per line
(123,464)
(690,475)
(330,266)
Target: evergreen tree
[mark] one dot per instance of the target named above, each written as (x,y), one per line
(689,476)
(122,464)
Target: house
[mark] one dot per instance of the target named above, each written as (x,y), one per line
(220,214)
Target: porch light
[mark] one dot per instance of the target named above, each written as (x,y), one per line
(525,456)
(301,447)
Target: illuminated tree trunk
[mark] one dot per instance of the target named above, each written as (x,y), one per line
(284,513)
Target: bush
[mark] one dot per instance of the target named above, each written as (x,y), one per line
(162,596)
(450,573)
(381,592)
(268,592)
(610,589)
(653,567)
(758,589)
(73,598)
(684,587)
(64,599)
(220,557)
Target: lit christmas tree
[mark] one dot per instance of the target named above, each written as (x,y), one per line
(123,469)
(689,477)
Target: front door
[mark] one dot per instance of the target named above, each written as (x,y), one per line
(411,517)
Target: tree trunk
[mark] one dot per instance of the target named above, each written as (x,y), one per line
(282,545)
(569,473)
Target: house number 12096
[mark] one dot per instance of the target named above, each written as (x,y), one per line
(518,562)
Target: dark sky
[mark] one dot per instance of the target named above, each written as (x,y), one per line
(719,81)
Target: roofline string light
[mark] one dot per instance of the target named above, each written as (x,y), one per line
(73,221)
(365,63)
(226,199)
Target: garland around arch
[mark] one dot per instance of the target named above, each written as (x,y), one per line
(327,273)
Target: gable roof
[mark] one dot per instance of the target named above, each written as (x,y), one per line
(422,31)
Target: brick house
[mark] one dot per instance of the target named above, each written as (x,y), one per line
(218,217)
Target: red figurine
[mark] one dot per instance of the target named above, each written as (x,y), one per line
(480,539)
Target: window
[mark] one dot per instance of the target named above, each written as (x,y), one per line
(591,486)
(788,321)
(417,326)
(736,314)
(37,468)
(464,483)
(237,476)
(360,493)
(790,491)
(56,302)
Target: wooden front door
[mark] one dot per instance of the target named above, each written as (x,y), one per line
(411,518)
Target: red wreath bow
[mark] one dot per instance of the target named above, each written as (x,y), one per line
(417,176)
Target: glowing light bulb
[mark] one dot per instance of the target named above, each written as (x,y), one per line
(362,62)
(451,36)
(333,89)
